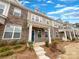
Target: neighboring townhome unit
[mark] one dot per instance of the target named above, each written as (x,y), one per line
(13,24)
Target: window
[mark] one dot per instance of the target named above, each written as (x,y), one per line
(46,34)
(37,18)
(39,33)
(1,8)
(47,22)
(12,32)
(40,20)
(17,12)
(8,31)
(32,17)
(17,32)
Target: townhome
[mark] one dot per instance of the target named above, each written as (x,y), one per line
(68,32)
(20,24)
(13,22)
(56,25)
(39,27)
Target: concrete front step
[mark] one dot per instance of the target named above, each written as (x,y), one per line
(40,53)
(38,49)
(39,44)
(44,57)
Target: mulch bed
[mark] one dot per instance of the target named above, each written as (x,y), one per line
(27,54)
(54,55)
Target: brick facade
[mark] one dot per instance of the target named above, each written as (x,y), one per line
(11,19)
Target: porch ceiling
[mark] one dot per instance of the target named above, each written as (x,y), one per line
(62,30)
(39,25)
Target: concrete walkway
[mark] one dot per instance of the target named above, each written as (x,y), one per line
(40,52)
(72,51)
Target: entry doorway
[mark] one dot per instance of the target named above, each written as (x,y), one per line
(33,36)
(39,36)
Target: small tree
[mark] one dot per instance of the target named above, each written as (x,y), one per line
(30,45)
(54,44)
(47,43)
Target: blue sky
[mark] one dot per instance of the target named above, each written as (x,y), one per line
(67,10)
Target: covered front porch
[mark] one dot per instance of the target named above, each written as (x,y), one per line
(68,35)
(39,34)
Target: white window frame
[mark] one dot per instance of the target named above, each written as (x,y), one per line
(15,26)
(17,10)
(37,20)
(33,16)
(2,8)
(6,8)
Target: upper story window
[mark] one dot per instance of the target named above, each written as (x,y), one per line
(2,7)
(32,17)
(17,12)
(47,22)
(12,32)
(37,18)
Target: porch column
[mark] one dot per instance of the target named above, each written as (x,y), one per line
(49,35)
(65,35)
(30,33)
(70,35)
(77,34)
(74,34)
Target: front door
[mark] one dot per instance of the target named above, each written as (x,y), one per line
(33,36)
(39,36)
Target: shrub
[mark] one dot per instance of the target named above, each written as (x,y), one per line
(30,45)
(63,51)
(22,42)
(17,46)
(14,42)
(3,49)
(3,43)
(56,41)
(7,53)
(47,43)
(54,44)
(73,39)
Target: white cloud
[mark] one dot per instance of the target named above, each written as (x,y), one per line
(24,2)
(71,16)
(49,2)
(59,5)
(67,13)
(43,4)
(63,10)
(72,13)
(53,17)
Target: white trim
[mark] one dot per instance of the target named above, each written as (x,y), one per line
(6,8)
(12,32)
(30,33)
(49,35)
